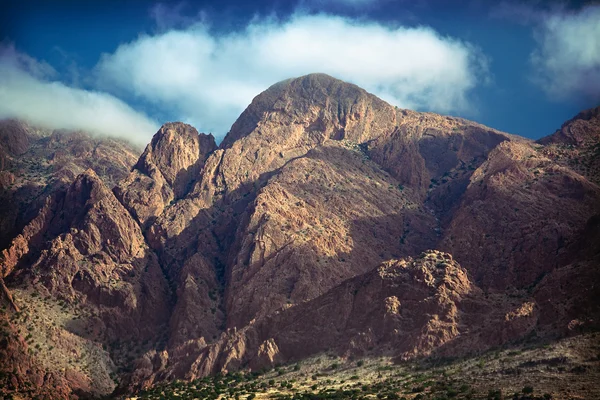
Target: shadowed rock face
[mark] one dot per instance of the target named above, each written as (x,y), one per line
(312,227)
(403,308)
(36,162)
(519,217)
(165,171)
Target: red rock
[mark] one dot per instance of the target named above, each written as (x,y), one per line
(309,229)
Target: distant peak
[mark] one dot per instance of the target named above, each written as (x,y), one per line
(570,134)
(178,128)
(297,96)
(178,151)
(587,114)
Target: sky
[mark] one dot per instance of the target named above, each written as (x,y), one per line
(123,68)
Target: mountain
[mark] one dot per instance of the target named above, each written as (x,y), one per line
(35,162)
(326,220)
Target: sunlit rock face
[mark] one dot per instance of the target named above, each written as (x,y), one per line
(326,220)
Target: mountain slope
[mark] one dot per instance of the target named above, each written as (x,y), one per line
(575,144)
(312,227)
(35,162)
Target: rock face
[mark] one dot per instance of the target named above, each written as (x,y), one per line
(103,259)
(165,171)
(325,217)
(518,217)
(312,227)
(36,162)
(575,144)
(403,308)
(86,252)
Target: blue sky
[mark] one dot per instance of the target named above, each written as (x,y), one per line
(124,68)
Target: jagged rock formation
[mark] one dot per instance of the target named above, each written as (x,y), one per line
(86,251)
(311,227)
(36,162)
(403,308)
(575,144)
(518,217)
(165,171)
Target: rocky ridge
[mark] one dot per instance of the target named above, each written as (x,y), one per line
(35,162)
(309,228)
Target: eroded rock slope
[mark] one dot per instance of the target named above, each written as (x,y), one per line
(327,219)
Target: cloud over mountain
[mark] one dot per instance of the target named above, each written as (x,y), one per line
(28,91)
(207,79)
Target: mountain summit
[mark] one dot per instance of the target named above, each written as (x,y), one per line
(326,220)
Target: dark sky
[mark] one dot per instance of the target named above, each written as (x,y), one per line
(71,36)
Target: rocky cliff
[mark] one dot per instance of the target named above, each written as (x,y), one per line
(325,220)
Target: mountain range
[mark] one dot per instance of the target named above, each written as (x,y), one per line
(325,221)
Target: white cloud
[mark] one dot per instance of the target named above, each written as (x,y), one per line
(208,79)
(567,60)
(11,57)
(26,93)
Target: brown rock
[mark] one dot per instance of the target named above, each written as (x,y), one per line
(308,230)
(519,215)
(575,144)
(406,308)
(37,162)
(165,171)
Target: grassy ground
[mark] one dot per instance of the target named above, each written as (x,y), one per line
(568,369)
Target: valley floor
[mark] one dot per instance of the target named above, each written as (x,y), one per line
(567,369)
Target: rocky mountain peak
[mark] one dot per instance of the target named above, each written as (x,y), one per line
(165,171)
(327,221)
(586,115)
(578,131)
(575,144)
(88,187)
(178,151)
(319,101)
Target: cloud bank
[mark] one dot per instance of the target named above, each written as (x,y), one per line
(27,92)
(567,60)
(208,79)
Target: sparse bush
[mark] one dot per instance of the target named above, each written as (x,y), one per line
(494,394)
